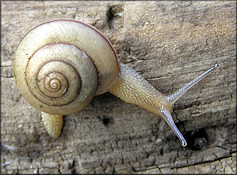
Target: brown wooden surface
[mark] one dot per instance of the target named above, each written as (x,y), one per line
(169,43)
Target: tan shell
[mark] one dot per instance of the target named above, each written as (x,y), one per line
(60,65)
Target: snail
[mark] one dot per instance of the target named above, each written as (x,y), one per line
(60,65)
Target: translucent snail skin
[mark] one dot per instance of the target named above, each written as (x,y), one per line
(60,65)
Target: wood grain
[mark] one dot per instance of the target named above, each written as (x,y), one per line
(169,43)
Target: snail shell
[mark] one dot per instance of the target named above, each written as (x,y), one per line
(60,65)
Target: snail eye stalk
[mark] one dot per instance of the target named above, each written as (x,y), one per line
(175,96)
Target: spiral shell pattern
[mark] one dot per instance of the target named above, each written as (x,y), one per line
(60,65)
(60,78)
(55,80)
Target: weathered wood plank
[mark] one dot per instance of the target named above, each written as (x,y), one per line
(169,43)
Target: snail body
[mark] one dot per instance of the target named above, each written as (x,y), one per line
(61,65)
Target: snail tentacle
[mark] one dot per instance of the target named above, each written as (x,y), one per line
(176,95)
(169,120)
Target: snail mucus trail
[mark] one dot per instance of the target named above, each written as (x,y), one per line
(60,65)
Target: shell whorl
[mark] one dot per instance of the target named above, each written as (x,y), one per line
(60,65)
(52,78)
